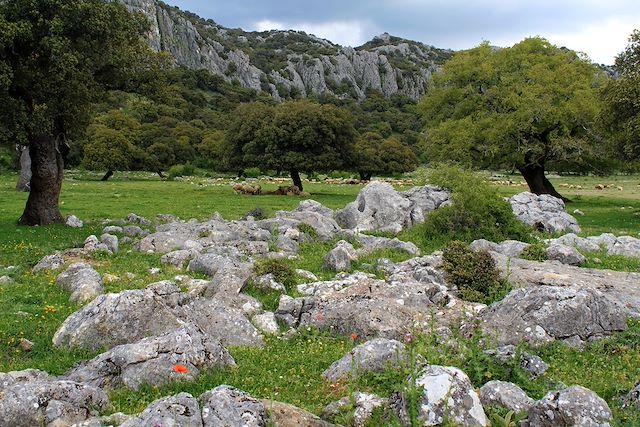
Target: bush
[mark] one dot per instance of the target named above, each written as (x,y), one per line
(535,252)
(257,213)
(474,273)
(282,271)
(252,172)
(181,170)
(477,210)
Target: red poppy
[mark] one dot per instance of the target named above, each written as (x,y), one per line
(181,369)
(354,336)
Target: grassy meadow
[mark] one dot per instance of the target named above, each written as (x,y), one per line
(285,370)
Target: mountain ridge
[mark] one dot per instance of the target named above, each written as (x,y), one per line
(289,64)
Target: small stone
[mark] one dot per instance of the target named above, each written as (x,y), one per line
(74,221)
(154,271)
(266,322)
(578,212)
(26,345)
(6,280)
(129,276)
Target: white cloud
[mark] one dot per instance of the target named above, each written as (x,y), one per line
(345,33)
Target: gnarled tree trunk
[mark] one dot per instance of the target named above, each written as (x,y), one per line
(538,183)
(107,175)
(295,177)
(47,167)
(24,181)
(365,176)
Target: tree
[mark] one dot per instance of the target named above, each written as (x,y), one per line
(522,107)
(56,57)
(621,96)
(296,136)
(376,155)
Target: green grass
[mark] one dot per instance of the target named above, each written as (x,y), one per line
(285,370)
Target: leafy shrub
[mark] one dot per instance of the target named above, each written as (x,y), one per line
(474,273)
(535,252)
(252,172)
(181,170)
(257,213)
(282,270)
(477,210)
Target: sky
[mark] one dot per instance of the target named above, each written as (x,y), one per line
(599,28)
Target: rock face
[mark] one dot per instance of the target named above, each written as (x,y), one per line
(129,316)
(340,257)
(227,406)
(613,245)
(380,207)
(49,262)
(447,394)
(82,281)
(181,410)
(505,395)
(565,254)
(373,356)
(574,406)
(386,64)
(39,401)
(154,360)
(545,213)
(542,314)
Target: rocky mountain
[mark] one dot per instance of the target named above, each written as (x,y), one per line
(288,64)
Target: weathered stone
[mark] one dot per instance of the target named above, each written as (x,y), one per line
(267,323)
(530,363)
(268,282)
(178,258)
(626,246)
(581,243)
(545,213)
(373,356)
(361,405)
(133,231)
(540,315)
(340,257)
(48,263)
(153,360)
(6,280)
(181,410)
(110,241)
(285,415)
(565,254)
(112,229)
(82,281)
(92,244)
(49,402)
(512,248)
(74,222)
(629,400)
(230,407)
(505,395)
(211,263)
(8,379)
(574,406)
(373,243)
(447,394)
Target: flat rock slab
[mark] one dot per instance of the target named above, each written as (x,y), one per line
(544,212)
(228,406)
(181,410)
(372,356)
(620,287)
(177,355)
(574,406)
(82,281)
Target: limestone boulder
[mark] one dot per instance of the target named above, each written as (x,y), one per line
(230,407)
(181,410)
(505,395)
(82,281)
(545,213)
(574,406)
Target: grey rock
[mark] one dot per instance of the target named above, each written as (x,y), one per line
(512,248)
(505,395)
(48,263)
(626,246)
(373,243)
(50,402)
(372,356)
(313,206)
(307,275)
(285,415)
(136,219)
(181,410)
(152,360)
(211,263)
(580,243)
(360,404)
(483,245)
(447,394)
(178,258)
(133,231)
(82,281)
(112,229)
(268,282)
(540,315)
(230,407)
(74,222)
(92,244)
(629,400)
(267,323)
(544,212)
(530,363)
(565,254)
(111,241)
(6,280)
(324,226)
(574,406)
(8,379)
(340,257)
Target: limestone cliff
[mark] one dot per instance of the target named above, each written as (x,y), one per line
(288,64)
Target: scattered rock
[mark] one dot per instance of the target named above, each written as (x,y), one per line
(154,360)
(361,405)
(48,263)
(181,410)
(228,406)
(373,243)
(574,406)
(92,244)
(505,395)
(373,356)
(545,213)
(133,231)
(268,282)
(112,229)
(530,363)
(154,271)
(110,241)
(82,281)
(447,394)
(8,379)
(135,219)
(629,400)
(340,257)
(25,345)
(267,323)
(6,280)
(74,221)
(565,254)
(285,415)
(581,243)
(578,212)
(542,314)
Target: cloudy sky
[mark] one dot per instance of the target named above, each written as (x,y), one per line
(600,28)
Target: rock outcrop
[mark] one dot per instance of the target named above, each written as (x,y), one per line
(545,213)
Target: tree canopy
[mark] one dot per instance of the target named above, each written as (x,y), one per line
(520,107)
(377,155)
(295,136)
(56,57)
(621,96)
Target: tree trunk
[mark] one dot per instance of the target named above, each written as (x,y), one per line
(365,176)
(107,175)
(25,169)
(47,168)
(538,183)
(161,175)
(295,176)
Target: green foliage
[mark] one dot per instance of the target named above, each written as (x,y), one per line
(376,155)
(621,113)
(280,268)
(477,210)
(181,170)
(535,252)
(523,106)
(474,273)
